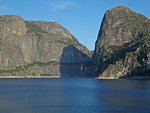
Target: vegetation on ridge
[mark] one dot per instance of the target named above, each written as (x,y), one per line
(26,67)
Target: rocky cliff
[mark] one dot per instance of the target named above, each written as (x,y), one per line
(35,48)
(123,45)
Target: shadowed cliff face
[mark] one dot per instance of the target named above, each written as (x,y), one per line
(74,63)
(122,46)
(33,47)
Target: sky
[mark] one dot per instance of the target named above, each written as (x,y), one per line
(81,17)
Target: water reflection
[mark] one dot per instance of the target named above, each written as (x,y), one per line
(74,96)
(127,91)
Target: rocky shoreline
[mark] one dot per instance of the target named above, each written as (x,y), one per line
(127,78)
(98,78)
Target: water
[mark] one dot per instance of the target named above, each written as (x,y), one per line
(74,96)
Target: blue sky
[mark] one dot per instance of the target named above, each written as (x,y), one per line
(81,17)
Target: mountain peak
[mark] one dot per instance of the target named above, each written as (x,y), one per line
(116,21)
(120,9)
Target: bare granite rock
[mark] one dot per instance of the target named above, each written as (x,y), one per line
(122,47)
(12,25)
(35,48)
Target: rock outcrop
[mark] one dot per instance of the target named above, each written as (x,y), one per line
(35,48)
(122,49)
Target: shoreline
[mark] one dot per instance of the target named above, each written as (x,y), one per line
(29,77)
(97,78)
(107,78)
(127,78)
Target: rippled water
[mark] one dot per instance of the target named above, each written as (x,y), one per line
(74,96)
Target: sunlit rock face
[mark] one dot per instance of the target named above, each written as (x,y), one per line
(35,48)
(122,46)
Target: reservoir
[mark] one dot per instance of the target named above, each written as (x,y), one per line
(74,95)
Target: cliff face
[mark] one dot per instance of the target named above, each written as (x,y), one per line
(39,49)
(122,48)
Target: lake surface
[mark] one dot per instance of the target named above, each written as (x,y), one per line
(74,96)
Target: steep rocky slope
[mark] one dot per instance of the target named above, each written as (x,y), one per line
(35,48)
(123,46)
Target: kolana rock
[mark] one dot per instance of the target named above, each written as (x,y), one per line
(122,48)
(40,49)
